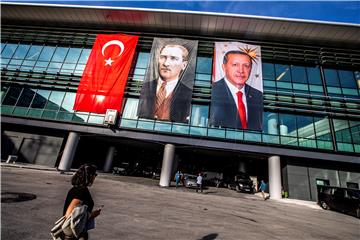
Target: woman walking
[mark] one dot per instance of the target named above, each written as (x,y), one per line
(79,194)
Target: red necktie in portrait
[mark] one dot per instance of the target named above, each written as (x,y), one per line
(241,110)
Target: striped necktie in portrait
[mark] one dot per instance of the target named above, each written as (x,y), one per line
(161,95)
(241,110)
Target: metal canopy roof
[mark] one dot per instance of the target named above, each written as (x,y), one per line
(227,26)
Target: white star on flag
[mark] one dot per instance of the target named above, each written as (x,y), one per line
(108,61)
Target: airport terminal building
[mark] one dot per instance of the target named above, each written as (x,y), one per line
(310,128)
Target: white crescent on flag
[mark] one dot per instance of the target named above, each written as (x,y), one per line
(109,43)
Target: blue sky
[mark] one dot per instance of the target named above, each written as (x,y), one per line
(334,11)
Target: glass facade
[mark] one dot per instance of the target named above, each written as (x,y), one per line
(306,104)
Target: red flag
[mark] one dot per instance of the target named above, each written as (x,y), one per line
(103,81)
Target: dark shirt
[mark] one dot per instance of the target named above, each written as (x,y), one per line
(81,193)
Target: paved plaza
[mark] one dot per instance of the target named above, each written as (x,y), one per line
(136,209)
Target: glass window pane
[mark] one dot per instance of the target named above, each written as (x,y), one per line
(59,54)
(130,110)
(287,125)
(298,74)
(96,119)
(199,115)
(331,78)
(282,73)
(142,60)
(40,98)
(68,102)
(46,53)
(9,50)
(84,56)
(305,126)
(12,96)
(313,74)
(180,128)
(204,65)
(342,131)
(21,51)
(347,79)
(268,71)
(73,55)
(55,100)
(355,131)
(271,125)
(34,52)
(322,128)
(26,97)
(3,91)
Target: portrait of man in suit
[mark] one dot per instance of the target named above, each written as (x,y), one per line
(234,103)
(167,96)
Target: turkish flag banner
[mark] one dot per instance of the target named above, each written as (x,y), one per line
(103,82)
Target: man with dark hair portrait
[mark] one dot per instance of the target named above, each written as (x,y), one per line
(167,98)
(234,103)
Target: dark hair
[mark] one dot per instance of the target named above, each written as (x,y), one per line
(83,176)
(226,57)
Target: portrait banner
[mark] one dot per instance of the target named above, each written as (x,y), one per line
(237,86)
(103,82)
(167,89)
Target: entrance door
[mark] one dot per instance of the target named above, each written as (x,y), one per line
(29,150)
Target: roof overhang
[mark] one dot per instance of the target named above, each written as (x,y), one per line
(226,26)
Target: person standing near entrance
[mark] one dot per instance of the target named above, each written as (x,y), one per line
(262,189)
(178,177)
(199,183)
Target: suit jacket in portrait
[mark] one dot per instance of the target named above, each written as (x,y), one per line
(179,107)
(223,110)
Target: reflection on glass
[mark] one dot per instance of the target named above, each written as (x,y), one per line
(34,52)
(12,96)
(59,54)
(26,97)
(21,51)
(84,56)
(55,100)
(9,50)
(268,71)
(130,110)
(282,73)
(46,53)
(287,125)
(40,98)
(331,78)
(142,60)
(199,115)
(322,128)
(68,102)
(347,79)
(305,126)
(73,55)
(313,74)
(204,65)
(298,74)
(343,135)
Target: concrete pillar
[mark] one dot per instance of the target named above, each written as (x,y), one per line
(69,152)
(273,124)
(274,177)
(109,159)
(167,165)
